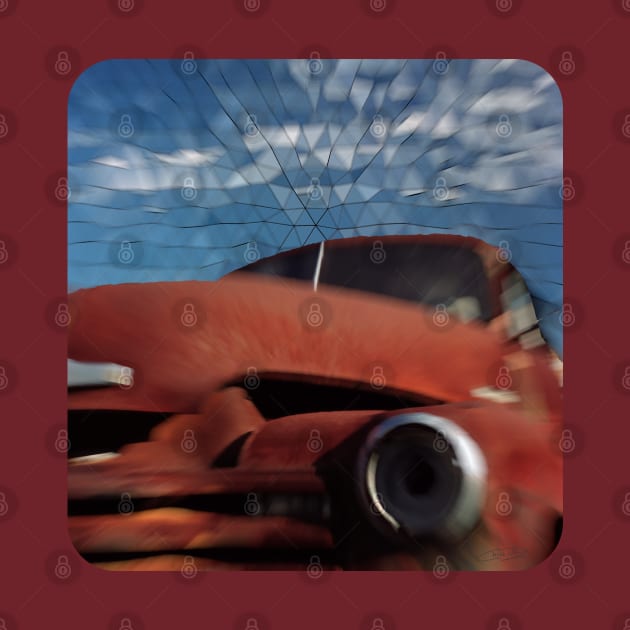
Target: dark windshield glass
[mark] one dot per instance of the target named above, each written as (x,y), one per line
(428,273)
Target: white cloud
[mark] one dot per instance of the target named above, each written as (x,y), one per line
(111,160)
(190,157)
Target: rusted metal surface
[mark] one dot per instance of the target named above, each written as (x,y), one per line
(103,480)
(261,322)
(178,564)
(523,460)
(225,416)
(170,528)
(520,453)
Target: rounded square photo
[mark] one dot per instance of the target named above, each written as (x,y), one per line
(315,315)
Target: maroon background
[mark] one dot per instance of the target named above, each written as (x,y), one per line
(33,100)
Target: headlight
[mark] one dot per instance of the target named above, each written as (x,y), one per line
(423,476)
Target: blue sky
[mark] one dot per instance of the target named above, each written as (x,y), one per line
(177,170)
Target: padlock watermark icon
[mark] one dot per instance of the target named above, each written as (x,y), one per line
(440,63)
(63,65)
(315,192)
(125,378)
(378,6)
(62,570)
(314,444)
(625,254)
(62,442)
(251,253)
(567,316)
(315,570)
(625,504)
(440,445)
(4,508)
(251,624)
(503,380)
(314,63)
(378,624)
(62,189)
(62,316)
(251,126)
(189,190)
(377,504)
(566,569)
(503,506)
(378,380)
(504,253)
(125,127)
(251,6)
(189,568)
(4,379)
(504,624)
(440,189)
(189,65)
(504,126)
(566,443)
(125,505)
(567,63)
(4,127)
(189,318)
(252,505)
(126,6)
(378,128)
(251,380)
(567,190)
(440,316)
(4,253)
(189,442)
(125,624)
(126,254)
(625,379)
(441,568)
(377,253)
(315,317)
(504,6)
